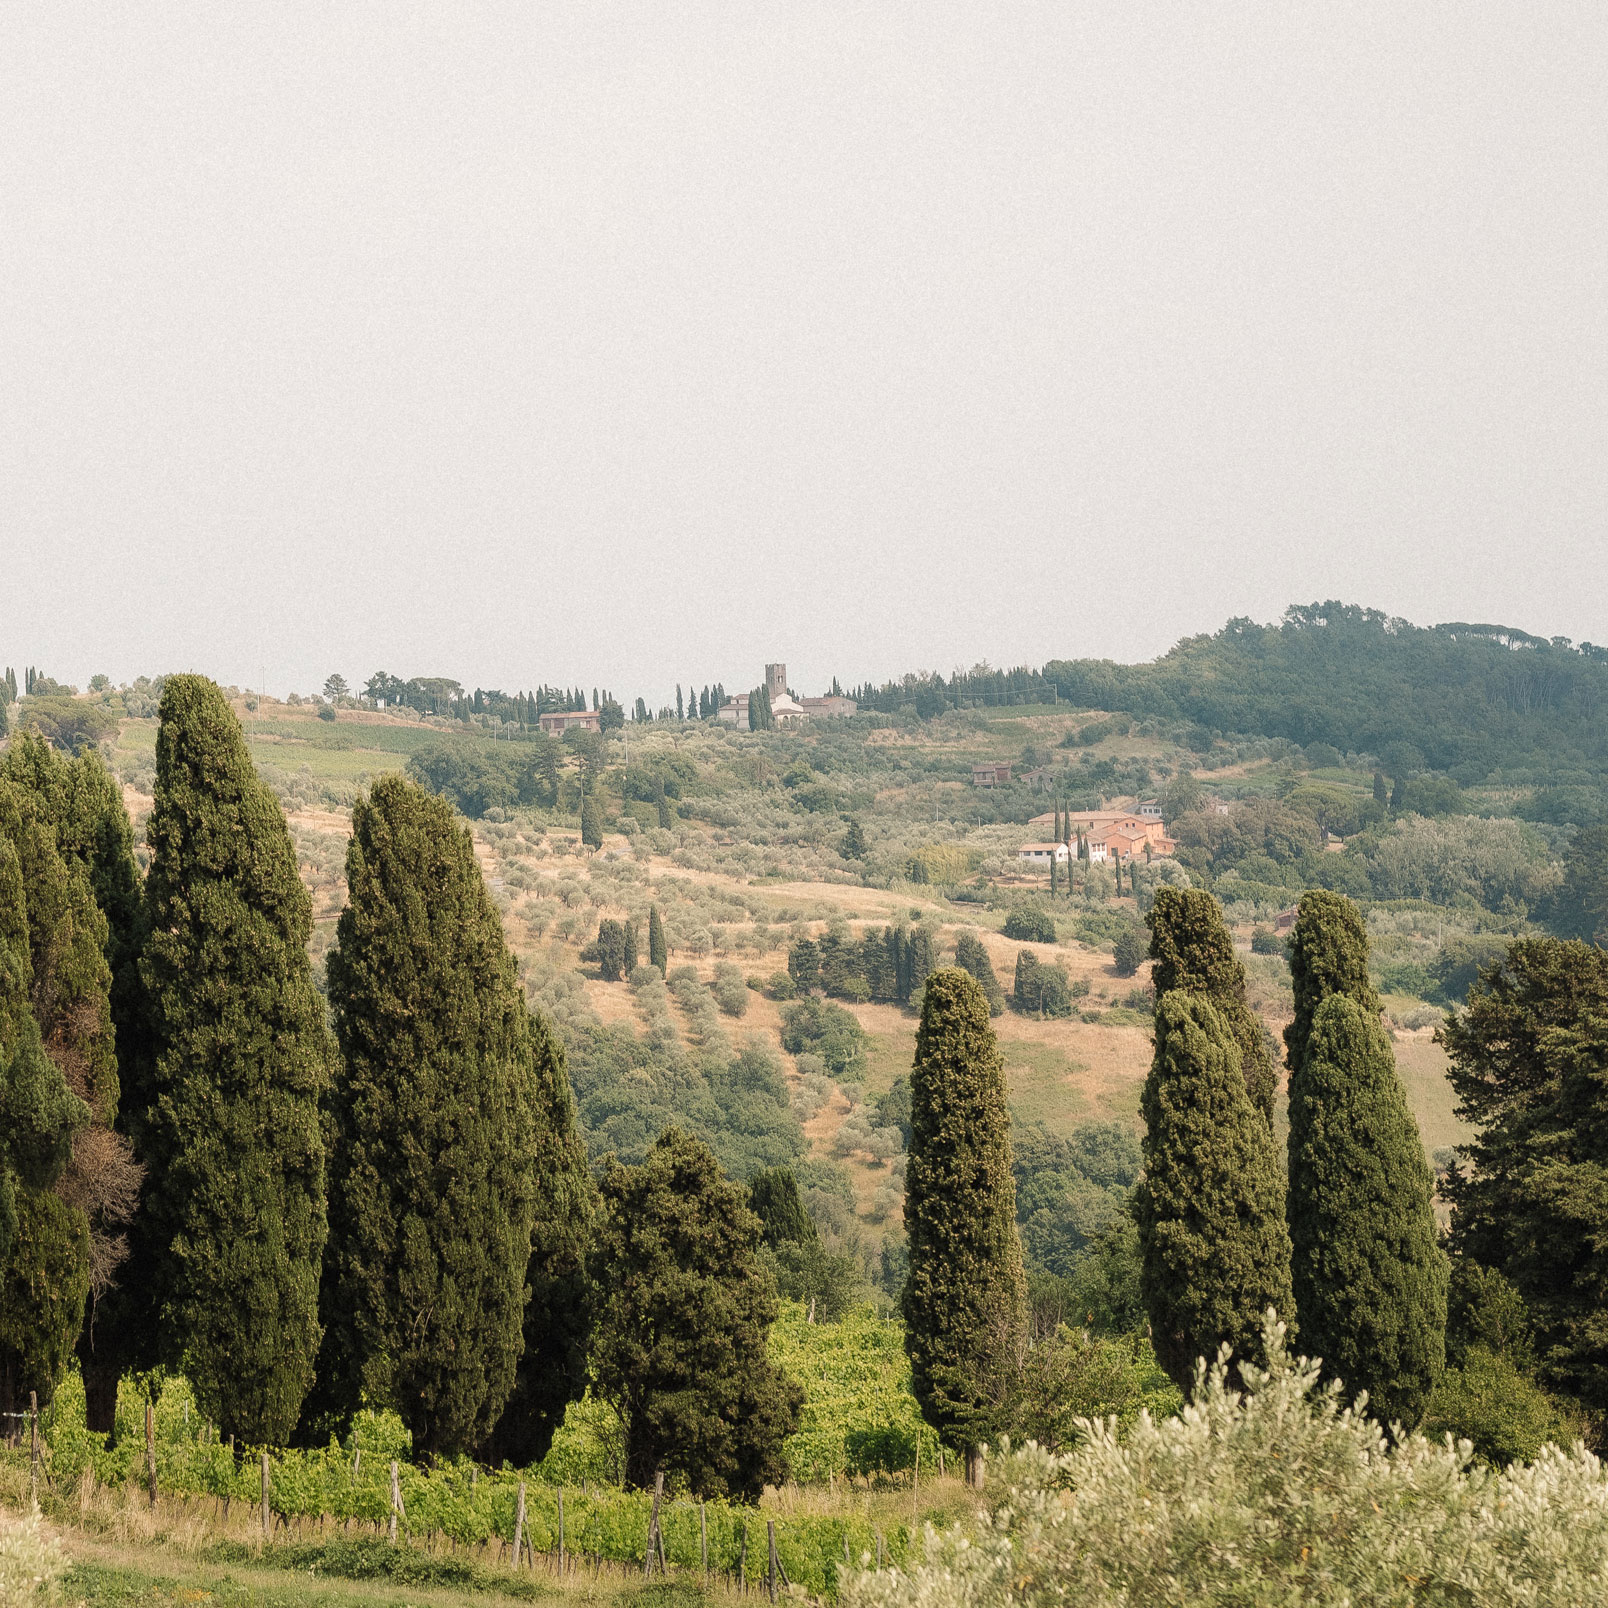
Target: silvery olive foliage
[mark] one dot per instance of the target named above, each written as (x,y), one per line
(1279,1493)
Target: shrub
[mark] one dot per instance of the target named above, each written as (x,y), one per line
(1490,1403)
(1129,952)
(30,1561)
(731,992)
(1030,925)
(1043,990)
(1264,941)
(1278,1494)
(781,986)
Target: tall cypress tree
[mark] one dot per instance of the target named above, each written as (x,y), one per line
(1328,953)
(1193,951)
(235,1058)
(1367,1270)
(84,805)
(658,954)
(55,1059)
(433,1130)
(1210,1205)
(971,956)
(551,1372)
(591,821)
(965,1299)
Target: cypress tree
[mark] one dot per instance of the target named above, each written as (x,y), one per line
(658,953)
(965,1298)
(774,1199)
(971,956)
(1379,793)
(1367,1270)
(1053,869)
(853,841)
(1328,954)
(680,710)
(683,1315)
(1193,951)
(551,1372)
(224,1111)
(433,1130)
(591,821)
(55,1049)
(1210,1204)
(629,958)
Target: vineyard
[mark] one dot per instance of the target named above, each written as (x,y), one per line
(861,1433)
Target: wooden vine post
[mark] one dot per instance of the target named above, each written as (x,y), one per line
(396,1500)
(519,1523)
(703,1542)
(150,1451)
(33,1444)
(770,1568)
(653,1523)
(267,1511)
(561,1532)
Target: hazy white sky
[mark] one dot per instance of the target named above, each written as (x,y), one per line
(634,344)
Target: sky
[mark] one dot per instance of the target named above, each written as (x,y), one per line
(631,345)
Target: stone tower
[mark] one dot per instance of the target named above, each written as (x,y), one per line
(775,681)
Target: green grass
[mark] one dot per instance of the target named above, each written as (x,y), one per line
(1422,1065)
(339,1574)
(887,1058)
(1036,1076)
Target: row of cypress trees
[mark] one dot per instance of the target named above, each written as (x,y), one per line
(1343,1243)
(395,1213)
(1345,1249)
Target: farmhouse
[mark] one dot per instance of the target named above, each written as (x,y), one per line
(1044,853)
(991,776)
(558,721)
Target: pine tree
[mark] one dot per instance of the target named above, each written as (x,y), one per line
(1328,954)
(683,1316)
(224,1108)
(1210,1204)
(1528,1059)
(1192,950)
(971,956)
(591,821)
(1368,1273)
(433,1131)
(658,953)
(965,1298)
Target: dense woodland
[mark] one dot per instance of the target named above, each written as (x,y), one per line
(405,1174)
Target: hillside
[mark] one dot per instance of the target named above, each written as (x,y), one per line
(750,861)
